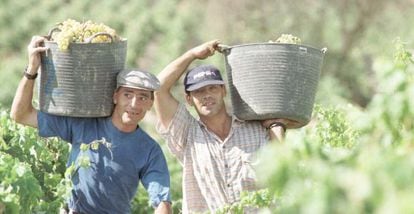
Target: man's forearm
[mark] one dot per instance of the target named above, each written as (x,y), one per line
(165,104)
(176,68)
(170,74)
(164,208)
(22,110)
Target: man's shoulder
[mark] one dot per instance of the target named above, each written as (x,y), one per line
(67,117)
(246,123)
(145,137)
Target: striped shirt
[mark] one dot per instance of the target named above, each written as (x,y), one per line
(214,171)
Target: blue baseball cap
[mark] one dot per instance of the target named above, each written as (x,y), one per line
(201,76)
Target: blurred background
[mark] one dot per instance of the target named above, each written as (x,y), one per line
(363,94)
(356,33)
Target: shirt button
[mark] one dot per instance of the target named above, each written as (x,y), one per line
(228,185)
(227,166)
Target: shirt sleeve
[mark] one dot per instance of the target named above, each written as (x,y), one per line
(54,126)
(177,133)
(156,178)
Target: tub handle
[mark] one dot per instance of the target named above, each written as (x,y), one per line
(223,48)
(51,31)
(89,39)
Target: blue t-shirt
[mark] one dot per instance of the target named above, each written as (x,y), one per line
(107,173)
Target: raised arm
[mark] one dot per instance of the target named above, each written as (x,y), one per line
(22,110)
(165,104)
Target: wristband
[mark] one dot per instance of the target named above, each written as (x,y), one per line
(275,124)
(29,76)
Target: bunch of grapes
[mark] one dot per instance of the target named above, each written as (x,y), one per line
(73,31)
(287,39)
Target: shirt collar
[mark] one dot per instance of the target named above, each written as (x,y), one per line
(235,122)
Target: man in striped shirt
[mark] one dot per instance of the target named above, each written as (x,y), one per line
(216,150)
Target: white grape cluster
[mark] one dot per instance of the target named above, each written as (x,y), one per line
(287,39)
(71,31)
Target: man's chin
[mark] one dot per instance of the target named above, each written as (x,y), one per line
(133,120)
(207,113)
(129,121)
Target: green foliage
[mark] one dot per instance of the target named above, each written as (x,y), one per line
(40,161)
(18,184)
(392,108)
(307,175)
(249,201)
(402,57)
(333,128)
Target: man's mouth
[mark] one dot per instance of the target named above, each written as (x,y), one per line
(132,113)
(208,104)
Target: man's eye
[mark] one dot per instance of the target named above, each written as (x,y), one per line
(197,92)
(215,87)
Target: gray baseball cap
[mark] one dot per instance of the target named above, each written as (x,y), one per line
(137,79)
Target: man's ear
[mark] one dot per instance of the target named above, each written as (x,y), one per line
(189,100)
(150,104)
(114,97)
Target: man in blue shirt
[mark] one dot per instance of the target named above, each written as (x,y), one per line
(109,156)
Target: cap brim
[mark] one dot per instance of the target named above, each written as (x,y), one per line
(134,87)
(205,83)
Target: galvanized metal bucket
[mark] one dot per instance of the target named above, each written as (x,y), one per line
(80,81)
(273,80)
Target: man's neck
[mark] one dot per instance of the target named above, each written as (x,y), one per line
(123,127)
(219,124)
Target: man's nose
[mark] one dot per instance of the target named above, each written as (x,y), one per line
(206,96)
(134,101)
(208,93)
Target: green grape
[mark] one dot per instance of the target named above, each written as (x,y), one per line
(72,31)
(84,147)
(70,170)
(84,161)
(287,39)
(95,145)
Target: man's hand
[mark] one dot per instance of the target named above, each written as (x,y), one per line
(34,49)
(268,122)
(288,123)
(277,127)
(205,50)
